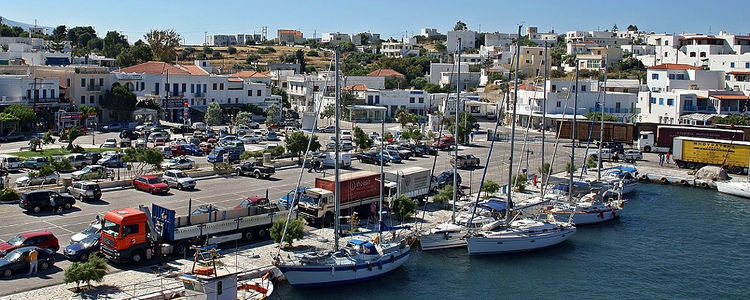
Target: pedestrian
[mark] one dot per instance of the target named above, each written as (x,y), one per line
(97,220)
(33,254)
(471,136)
(668,155)
(373,211)
(661,159)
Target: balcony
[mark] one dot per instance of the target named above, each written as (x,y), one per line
(93,88)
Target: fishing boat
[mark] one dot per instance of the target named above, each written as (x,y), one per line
(259,288)
(740,189)
(525,234)
(358,260)
(621,179)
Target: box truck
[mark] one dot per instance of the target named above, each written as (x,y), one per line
(693,153)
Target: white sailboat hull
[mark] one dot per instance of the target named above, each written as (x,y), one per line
(740,189)
(500,244)
(319,275)
(586,218)
(442,240)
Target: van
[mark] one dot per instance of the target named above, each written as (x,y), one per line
(326,158)
(199,126)
(10,162)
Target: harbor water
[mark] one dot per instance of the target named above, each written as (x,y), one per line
(671,242)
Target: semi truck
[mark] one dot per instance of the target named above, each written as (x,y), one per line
(357,189)
(694,153)
(136,234)
(585,130)
(662,140)
(411,181)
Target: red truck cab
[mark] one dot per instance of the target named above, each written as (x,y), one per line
(124,236)
(444,142)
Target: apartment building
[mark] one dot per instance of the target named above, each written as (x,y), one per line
(502,40)
(29,90)
(429,32)
(541,37)
(468,39)
(233,39)
(290,37)
(414,101)
(596,38)
(336,38)
(407,47)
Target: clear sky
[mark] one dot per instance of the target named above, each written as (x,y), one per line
(387,17)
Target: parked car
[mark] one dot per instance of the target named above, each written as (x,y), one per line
(178,150)
(140,143)
(160,141)
(112,127)
(194,150)
(346,135)
(428,150)
(206,147)
(253,125)
(42,239)
(165,151)
(112,161)
(199,126)
(129,134)
(200,136)
(93,157)
(634,154)
(80,251)
(391,155)
(271,136)
(38,180)
(370,158)
(327,129)
(78,160)
(94,228)
(17,261)
(151,184)
(94,172)
(415,149)
(251,139)
(443,179)
(444,143)
(255,168)
(109,143)
(252,201)
(38,200)
(84,190)
(464,161)
(35,162)
(181,163)
(402,151)
(178,179)
(10,162)
(155,135)
(346,146)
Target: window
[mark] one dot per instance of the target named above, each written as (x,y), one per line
(688,103)
(731,65)
(559,103)
(192,88)
(653,100)
(661,101)
(411,99)
(143,86)
(192,102)
(747,65)
(91,82)
(91,99)
(214,86)
(184,87)
(671,76)
(670,102)
(421,99)
(369,99)
(654,76)
(83,82)
(528,61)
(554,87)
(236,100)
(204,88)
(377,99)
(583,88)
(258,93)
(692,54)
(83,99)
(221,86)
(249,93)
(101,81)
(703,54)
(680,76)
(129,229)
(156,88)
(44,94)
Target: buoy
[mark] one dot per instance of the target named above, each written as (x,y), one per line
(644,177)
(664,180)
(704,185)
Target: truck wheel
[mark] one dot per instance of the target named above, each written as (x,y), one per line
(44,265)
(37,209)
(180,249)
(647,149)
(680,164)
(85,257)
(249,236)
(262,234)
(137,257)
(690,165)
(737,170)
(257,175)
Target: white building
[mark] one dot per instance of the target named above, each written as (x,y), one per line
(467,79)
(666,77)
(468,39)
(436,70)
(637,50)
(336,38)
(429,32)
(597,38)
(415,101)
(29,91)
(502,40)
(408,47)
(233,39)
(540,37)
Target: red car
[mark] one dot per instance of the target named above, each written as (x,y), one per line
(178,150)
(159,141)
(150,183)
(444,142)
(252,201)
(41,239)
(212,141)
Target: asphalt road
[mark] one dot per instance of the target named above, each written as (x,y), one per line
(228,192)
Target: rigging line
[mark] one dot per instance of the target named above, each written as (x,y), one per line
(525,141)
(302,167)
(557,142)
(588,142)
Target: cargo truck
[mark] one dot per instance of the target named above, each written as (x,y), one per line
(135,234)
(662,140)
(694,153)
(411,181)
(357,189)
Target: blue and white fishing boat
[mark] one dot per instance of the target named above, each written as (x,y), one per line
(358,260)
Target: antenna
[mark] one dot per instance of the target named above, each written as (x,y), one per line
(264,36)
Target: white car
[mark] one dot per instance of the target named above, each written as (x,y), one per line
(182,163)
(251,139)
(92,229)
(109,143)
(178,179)
(346,135)
(141,143)
(27,181)
(633,153)
(92,169)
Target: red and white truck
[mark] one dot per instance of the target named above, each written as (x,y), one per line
(357,189)
(661,141)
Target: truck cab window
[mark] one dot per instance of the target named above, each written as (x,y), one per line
(130,229)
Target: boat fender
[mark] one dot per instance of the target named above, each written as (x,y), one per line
(704,185)
(369,266)
(393,259)
(644,177)
(614,214)
(664,180)
(333,270)
(683,182)
(601,215)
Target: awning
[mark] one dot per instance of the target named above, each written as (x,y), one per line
(495,205)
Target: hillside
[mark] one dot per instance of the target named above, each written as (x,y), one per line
(234,62)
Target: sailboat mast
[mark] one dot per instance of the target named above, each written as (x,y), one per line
(544,111)
(601,126)
(513,128)
(382,176)
(455,136)
(573,142)
(337,185)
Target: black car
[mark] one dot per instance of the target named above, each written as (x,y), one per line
(415,149)
(445,178)
(17,261)
(428,150)
(36,201)
(615,146)
(369,157)
(256,169)
(129,134)
(93,157)
(81,251)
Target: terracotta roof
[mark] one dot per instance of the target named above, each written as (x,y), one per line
(356,87)
(250,74)
(525,87)
(234,79)
(738,73)
(731,97)
(385,73)
(674,67)
(289,31)
(194,70)
(155,67)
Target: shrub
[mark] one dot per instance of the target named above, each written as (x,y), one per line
(251,154)
(78,149)
(92,270)
(295,230)
(35,143)
(46,170)
(47,138)
(570,169)
(519,182)
(490,187)
(404,207)
(222,168)
(592,161)
(61,164)
(8,194)
(231,50)
(444,195)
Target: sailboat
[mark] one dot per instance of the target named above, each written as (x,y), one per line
(524,234)
(740,189)
(358,260)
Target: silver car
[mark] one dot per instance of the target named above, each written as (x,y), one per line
(178,179)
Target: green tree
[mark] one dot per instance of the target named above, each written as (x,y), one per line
(87,111)
(459,26)
(284,97)
(545,169)
(114,43)
(72,134)
(47,138)
(444,196)
(208,50)
(252,58)
(59,33)
(243,118)
(119,98)
(55,46)
(632,28)
(143,157)
(328,111)
(213,114)
(519,182)
(404,117)
(732,119)
(35,143)
(231,50)
(296,143)
(272,114)
(465,121)
(62,164)
(361,139)
(253,109)
(163,44)
(404,207)
(313,53)
(93,270)
(295,230)
(25,115)
(597,116)
(490,187)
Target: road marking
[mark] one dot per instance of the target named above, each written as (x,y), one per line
(63,228)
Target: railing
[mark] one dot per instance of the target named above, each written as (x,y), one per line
(94,87)
(699,108)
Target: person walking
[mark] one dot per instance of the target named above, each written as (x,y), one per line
(33,254)
(661,159)
(668,155)
(373,212)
